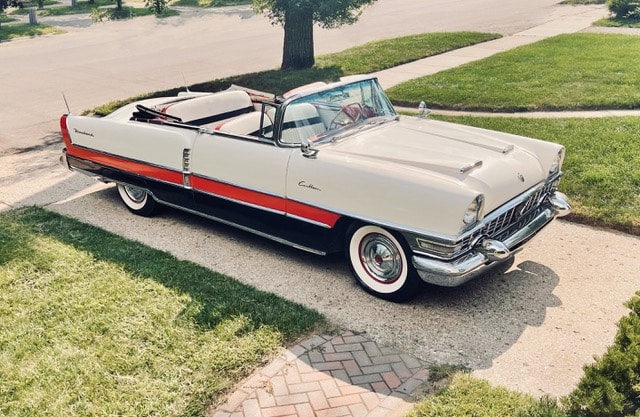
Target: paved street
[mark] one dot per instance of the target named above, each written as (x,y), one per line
(531,329)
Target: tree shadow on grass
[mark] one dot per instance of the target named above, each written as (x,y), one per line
(215,297)
(275,81)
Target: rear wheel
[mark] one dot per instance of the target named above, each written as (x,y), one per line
(137,200)
(379,263)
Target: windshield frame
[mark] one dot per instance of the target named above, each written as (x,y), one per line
(332,111)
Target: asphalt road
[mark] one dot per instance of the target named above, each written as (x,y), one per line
(530,329)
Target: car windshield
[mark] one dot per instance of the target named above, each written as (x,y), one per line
(324,115)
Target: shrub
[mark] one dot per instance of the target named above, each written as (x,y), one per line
(543,407)
(624,9)
(101,15)
(158,6)
(611,386)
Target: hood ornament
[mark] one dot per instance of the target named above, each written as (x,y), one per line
(520,177)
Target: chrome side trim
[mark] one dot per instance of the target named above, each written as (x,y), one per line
(186,168)
(313,222)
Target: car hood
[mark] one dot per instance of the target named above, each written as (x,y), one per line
(487,162)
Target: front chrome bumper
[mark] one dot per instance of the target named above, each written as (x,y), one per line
(488,253)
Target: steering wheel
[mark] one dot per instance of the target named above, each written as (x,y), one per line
(349,113)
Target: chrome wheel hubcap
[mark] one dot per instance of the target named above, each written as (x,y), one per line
(136,194)
(381,258)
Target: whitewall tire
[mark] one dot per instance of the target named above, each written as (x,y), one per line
(380,264)
(137,200)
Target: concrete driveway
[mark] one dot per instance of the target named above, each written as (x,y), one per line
(531,329)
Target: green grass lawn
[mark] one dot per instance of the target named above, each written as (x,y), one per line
(8,32)
(94,324)
(379,55)
(567,72)
(5,19)
(618,23)
(469,397)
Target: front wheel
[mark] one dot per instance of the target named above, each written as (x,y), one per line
(137,200)
(379,263)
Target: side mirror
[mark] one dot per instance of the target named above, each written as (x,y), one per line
(423,111)
(308,151)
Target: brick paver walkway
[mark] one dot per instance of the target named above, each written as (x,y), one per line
(329,376)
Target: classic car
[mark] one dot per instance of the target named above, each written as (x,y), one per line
(329,168)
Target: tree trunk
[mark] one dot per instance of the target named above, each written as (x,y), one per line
(298,50)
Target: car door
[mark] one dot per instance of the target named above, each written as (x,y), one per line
(249,172)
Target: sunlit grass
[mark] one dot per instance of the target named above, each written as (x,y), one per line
(467,397)
(93,324)
(387,53)
(618,23)
(8,32)
(566,72)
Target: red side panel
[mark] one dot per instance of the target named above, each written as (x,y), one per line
(266,201)
(239,194)
(315,214)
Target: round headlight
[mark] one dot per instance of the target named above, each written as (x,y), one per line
(474,211)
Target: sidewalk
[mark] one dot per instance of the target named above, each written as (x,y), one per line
(349,375)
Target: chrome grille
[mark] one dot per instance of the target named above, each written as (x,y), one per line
(517,211)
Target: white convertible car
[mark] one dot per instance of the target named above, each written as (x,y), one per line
(329,168)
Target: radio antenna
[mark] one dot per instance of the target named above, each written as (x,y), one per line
(66,103)
(184,80)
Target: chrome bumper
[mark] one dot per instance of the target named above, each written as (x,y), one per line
(488,252)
